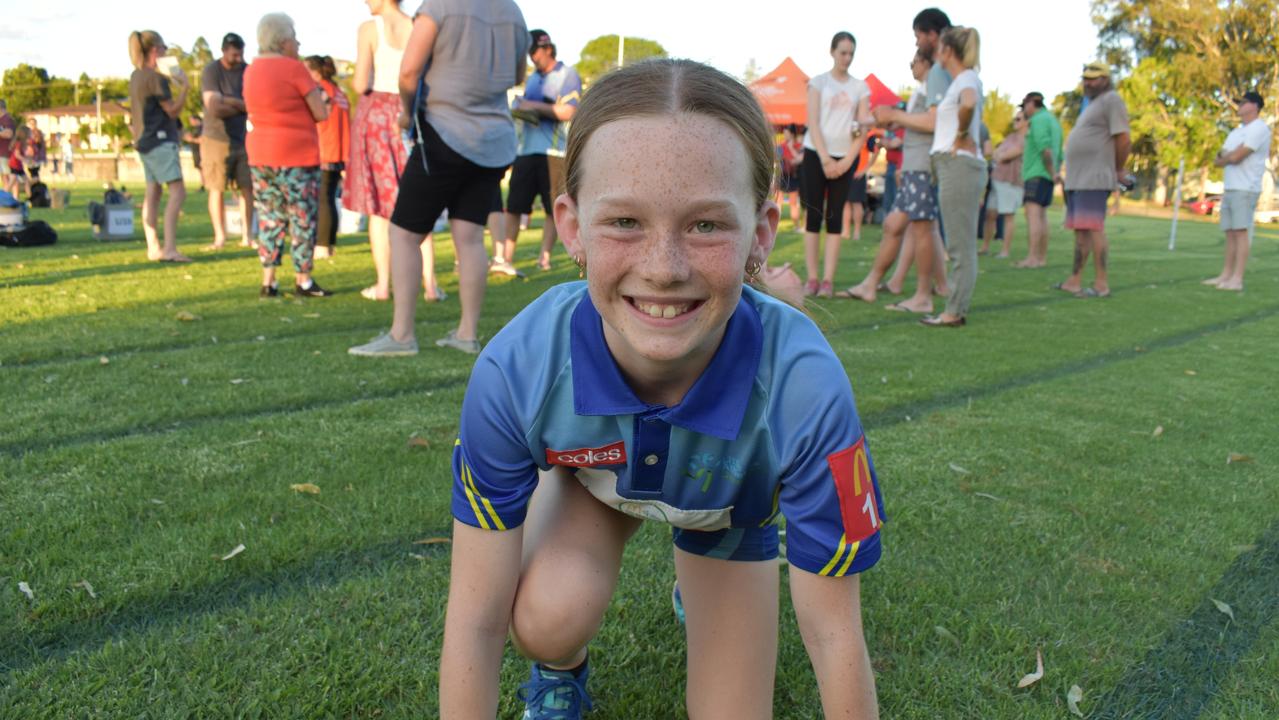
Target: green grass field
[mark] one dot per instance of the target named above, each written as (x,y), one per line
(1034,502)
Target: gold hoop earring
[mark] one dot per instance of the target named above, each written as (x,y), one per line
(580,262)
(752,271)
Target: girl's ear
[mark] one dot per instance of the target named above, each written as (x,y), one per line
(568,225)
(765,233)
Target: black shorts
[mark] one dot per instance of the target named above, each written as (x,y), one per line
(788,182)
(857,186)
(454,182)
(1039,191)
(823,197)
(530,178)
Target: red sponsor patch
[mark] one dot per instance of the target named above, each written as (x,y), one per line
(614,454)
(857,507)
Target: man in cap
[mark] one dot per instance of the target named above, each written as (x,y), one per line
(1244,158)
(1041,161)
(1095,157)
(542,115)
(222,153)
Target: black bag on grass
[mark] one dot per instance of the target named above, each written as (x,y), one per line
(39,195)
(36,232)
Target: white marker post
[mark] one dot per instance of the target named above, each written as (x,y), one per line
(1176,205)
(621,48)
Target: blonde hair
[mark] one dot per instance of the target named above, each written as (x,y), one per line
(273,30)
(965,43)
(141,43)
(669,87)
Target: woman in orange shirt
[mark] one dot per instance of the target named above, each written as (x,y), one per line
(284,105)
(335,145)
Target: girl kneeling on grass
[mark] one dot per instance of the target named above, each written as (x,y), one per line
(662,388)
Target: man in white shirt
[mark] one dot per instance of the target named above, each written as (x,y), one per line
(1244,158)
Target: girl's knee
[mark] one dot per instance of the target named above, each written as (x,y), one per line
(549,632)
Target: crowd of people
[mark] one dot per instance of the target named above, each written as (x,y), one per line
(661,387)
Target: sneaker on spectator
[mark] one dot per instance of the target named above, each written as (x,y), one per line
(557,694)
(385,346)
(451,341)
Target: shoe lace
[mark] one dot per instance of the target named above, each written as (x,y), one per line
(569,690)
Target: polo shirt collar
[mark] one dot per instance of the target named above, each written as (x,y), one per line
(715,405)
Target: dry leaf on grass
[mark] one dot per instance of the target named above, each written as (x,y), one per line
(988,496)
(958,469)
(415,556)
(1038,674)
(238,381)
(416,441)
(104,360)
(311,315)
(1224,609)
(238,549)
(1191,373)
(185,316)
(308,488)
(945,634)
(25,589)
(1238,458)
(433,541)
(1073,698)
(1158,431)
(87,588)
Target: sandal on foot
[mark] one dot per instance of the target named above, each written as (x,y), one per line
(1092,293)
(850,295)
(936,321)
(370,293)
(901,307)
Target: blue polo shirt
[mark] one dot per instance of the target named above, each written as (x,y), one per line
(769,430)
(561,86)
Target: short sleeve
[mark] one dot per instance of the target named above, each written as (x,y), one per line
(571,90)
(829,491)
(494,473)
(209,78)
(1256,135)
(300,78)
(1117,116)
(158,87)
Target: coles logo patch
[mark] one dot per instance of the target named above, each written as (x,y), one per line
(857,507)
(614,454)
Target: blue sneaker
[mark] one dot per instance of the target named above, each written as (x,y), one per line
(555,694)
(677,602)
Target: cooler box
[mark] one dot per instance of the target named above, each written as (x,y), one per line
(118,225)
(234,222)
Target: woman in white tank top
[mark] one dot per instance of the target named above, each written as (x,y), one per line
(378,152)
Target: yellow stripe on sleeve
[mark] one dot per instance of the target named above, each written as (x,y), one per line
(497,521)
(852,553)
(479,514)
(843,543)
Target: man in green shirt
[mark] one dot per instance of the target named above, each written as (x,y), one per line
(1040,167)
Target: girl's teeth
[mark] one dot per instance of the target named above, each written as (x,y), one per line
(669,312)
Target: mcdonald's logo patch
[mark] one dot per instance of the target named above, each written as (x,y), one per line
(857,507)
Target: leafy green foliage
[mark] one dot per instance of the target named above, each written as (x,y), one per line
(997,111)
(26,87)
(1188,63)
(600,55)
(193,64)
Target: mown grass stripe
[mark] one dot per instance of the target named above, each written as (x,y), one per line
(1179,678)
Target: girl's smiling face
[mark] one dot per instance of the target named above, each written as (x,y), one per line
(665,220)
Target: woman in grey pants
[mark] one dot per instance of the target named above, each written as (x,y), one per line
(959,168)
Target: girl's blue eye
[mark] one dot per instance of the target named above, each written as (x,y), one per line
(704,226)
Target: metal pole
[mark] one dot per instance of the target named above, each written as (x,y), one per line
(1176,205)
(621,48)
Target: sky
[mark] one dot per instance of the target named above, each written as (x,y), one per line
(1025,46)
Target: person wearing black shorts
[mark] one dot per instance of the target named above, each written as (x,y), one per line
(465,141)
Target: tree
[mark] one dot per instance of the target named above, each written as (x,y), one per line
(600,55)
(27,88)
(1186,64)
(997,111)
(193,64)
(751,73)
